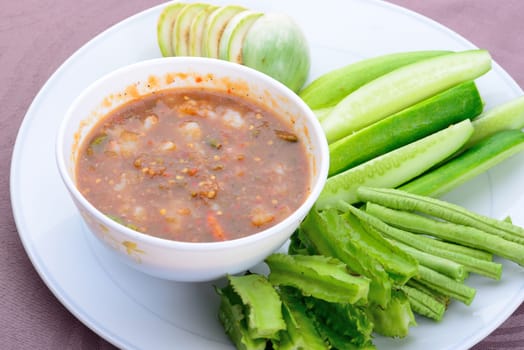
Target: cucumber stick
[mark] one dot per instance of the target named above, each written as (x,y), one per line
(507,116)
(321,113)
(402,88)
(396,167)
(474,161)
(330,88)
(422,119)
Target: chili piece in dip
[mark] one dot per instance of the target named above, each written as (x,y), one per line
(194,165)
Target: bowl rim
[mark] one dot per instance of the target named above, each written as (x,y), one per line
(300,212)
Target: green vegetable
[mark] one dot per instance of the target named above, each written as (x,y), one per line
(97,144)
(406,237)
(182,29)
(297,245)
(231,315)
(330,88)
(250,311)
(437,263)
(322,113)
(396,167)
(326,233)
(464,235)
(507,116)
(472,260)
(423,303)
(444,266)
(165,24)
(124,222)
(445,285)
(402,200)
(402,88)
(345,326)
(301,332)
(469,164)
(395,319)
(196,31)
(232,38)
(420,120)
(215,25)
(271,43)
(319,276)
(399,265)
(439,297)
(275,45)
(263,307)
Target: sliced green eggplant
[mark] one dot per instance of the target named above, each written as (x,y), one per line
(196,32)
(215,25)
(233,37)
(165,25)
(180,37)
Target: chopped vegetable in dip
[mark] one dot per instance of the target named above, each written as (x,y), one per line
(194,165)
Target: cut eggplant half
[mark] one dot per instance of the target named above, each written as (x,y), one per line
(276,46)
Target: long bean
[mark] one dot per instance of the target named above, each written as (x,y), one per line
(472,252)
(441,298)
(403,200)
(465,235)
(431,246)
(424,304)
(439,264)
(445,266)
(456,248)
(484,268)
(445,285)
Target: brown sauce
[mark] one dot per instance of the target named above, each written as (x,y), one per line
(194,165)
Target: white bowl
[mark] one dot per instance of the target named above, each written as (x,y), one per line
(174,260)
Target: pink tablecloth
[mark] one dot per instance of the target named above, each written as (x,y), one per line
(37,36)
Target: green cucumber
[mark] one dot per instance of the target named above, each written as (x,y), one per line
(181,32)
(321,113)
(396,167)
(449,107)
(330,88)
(232,39)
(215,25)
(507,116)
(474,161)
(276,46)
(196,31)
(165,24)
(402,88)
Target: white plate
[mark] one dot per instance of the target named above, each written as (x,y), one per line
(134,311)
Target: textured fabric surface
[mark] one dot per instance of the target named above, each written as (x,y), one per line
(37,36)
